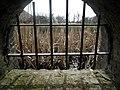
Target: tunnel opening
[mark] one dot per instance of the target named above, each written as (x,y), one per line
(48,42)
(99,7)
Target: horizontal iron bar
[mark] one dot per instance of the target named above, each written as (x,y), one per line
(57,25)
(56,54)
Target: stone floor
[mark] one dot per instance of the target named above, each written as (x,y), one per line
(56,80)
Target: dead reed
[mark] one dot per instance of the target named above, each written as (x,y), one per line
(43,39)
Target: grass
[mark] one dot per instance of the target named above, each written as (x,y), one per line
(59,39)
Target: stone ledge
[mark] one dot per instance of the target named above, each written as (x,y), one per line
(56,80)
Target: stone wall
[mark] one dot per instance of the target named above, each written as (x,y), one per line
(8,10)
(110,11)
(102,60)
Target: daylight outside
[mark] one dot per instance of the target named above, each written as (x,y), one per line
(75,14)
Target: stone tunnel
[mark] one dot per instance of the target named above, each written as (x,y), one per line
(108,9)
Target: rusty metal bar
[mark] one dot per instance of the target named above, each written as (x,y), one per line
(67,62)
(20,42)
(110,41)
(35,36)
(96,43)
(51,33)
(82,35)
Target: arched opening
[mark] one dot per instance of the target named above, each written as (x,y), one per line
(116,75)
(61,42)
(74,40)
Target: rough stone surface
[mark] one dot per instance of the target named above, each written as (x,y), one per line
(110,13)
(8,10)
(56,80)
(102,60)
(108,9)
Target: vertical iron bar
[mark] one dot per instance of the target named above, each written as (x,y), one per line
(82,35)
(67,62)
(35,35)
(110,41)
(110,50)
(6,49)
(20,41)
(51,34)
(96,44)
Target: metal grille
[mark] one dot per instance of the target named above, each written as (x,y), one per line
(66,53)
